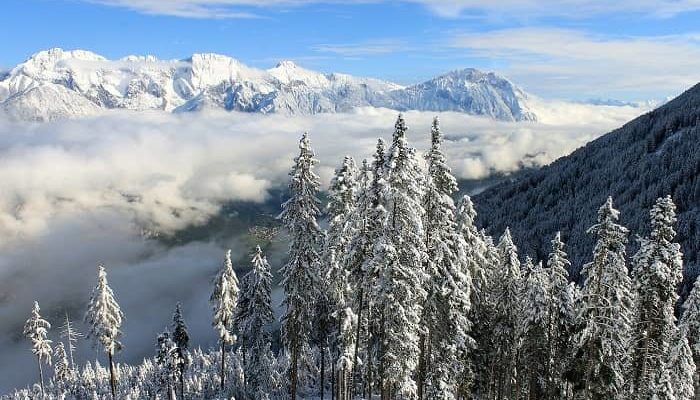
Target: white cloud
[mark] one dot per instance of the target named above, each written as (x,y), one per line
(445,8)
(577,63)
(363,49)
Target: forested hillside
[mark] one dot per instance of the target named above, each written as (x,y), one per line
(651,156)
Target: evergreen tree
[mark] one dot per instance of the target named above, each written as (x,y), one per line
(334,283)
(657,274)
(71,335)
(36,329)
(603,343)
(506,295)
(690,325)
(448,284)
(365,230)
(62,370)
(181,338)
(300,274)
(399,256)
(104,321)
(535,328)
(561,319)
(224,300)
(254,319)
(168,362)
(682,367)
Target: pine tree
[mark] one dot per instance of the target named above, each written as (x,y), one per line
(254,318)
(334,278)
(603,343)
(561,319)
(62,370)
(224,300)
(506,295)
(657,274)
(365,231)
(36,329)
(300,274)
(535,328)
(399,256)
(448,284)
(682,367)
(71,335)
(690,325)
(104,321)
(181,338)
(168,363)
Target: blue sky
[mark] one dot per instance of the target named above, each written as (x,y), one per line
(572,49)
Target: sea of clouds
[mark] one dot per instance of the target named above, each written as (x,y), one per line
(78,193)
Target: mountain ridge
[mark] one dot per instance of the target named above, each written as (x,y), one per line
(210,80)
(654,155)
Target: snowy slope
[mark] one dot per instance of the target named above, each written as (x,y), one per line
(79,82)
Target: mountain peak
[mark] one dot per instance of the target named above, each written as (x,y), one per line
(286,64)
(146,83)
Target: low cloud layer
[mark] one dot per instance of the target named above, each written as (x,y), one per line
(78,193)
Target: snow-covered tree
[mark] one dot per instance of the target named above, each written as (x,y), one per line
(690,325)
(606,314)
(181,338)
(399,256)
(300,274)
(506,320)
(334,278)
(168,363)
(224,300)
(104,321)
(446,343)
(62,370)
(681,366)
(254,318)
(366,226)
(71,336)
(534,353)
(561,319)
(657,275)
(36,329)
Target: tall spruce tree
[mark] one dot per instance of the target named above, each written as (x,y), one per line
(224,300)
(36,329)
(254,318)
(657,275)
(506,295)
(682,367)
(104,321)
(334,287)
(690,326)
(365,230)
(603,354)
(399,255)
(534,354)
(444,362)
(561,320)
(181,338)
(301,273)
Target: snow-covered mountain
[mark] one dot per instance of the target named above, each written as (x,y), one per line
(58,83)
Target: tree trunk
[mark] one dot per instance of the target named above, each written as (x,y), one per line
(223,364)
(112,377)
(293,369)
(357,341)
(41,375)
(333,380)
(323,369)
